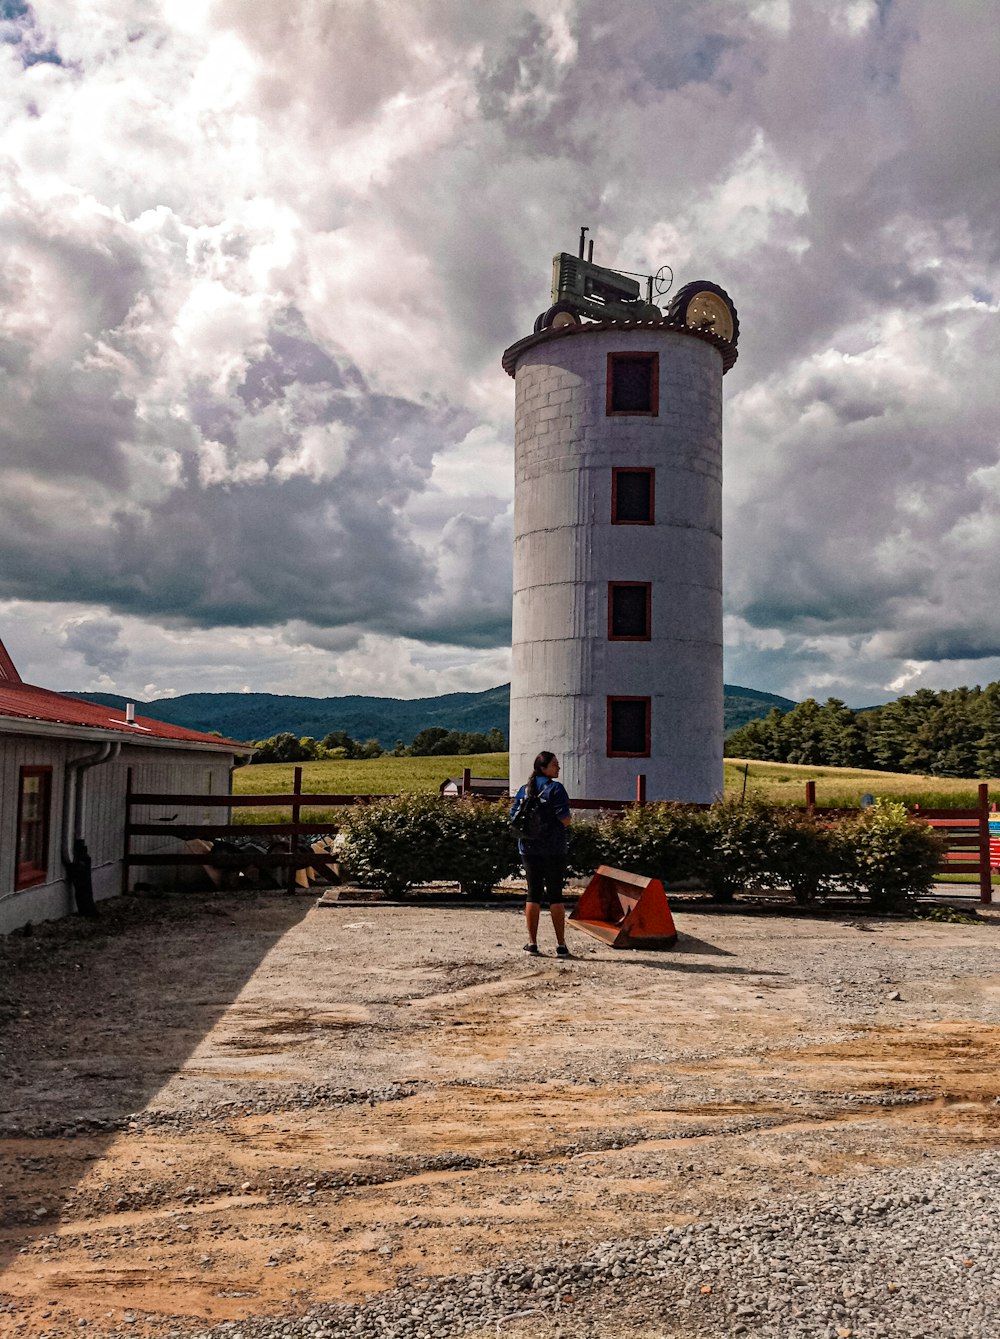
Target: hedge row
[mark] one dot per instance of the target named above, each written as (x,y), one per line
(880,854)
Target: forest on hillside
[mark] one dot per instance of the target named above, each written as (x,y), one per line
(954,732)
(338,745)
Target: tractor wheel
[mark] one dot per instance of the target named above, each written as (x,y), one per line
(694,295)
(558,316)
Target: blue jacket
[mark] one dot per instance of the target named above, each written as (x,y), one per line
(553,803)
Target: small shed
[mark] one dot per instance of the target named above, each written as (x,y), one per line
(489,787)
(64,768)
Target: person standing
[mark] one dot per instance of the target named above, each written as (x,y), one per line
(543,852)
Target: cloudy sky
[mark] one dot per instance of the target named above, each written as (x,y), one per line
(260,261)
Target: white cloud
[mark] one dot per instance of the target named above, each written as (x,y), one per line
(321,453)
(259,265)
(137,658)
(911,674)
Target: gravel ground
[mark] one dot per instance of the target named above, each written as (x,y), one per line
(913,1257)
(390,1122)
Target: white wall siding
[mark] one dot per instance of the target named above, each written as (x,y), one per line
(153,770)
(52,897)
(174,772)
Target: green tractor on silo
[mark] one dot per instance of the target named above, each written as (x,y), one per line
(580,288)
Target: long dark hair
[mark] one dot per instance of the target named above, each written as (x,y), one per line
(538,769)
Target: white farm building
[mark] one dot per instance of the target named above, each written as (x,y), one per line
(64,768)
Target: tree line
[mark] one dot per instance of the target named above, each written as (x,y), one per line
(954,732)
(435,741)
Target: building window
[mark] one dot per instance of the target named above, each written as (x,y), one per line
(633,383)
(629,609)
(628,727)
(34,806)
(632,496)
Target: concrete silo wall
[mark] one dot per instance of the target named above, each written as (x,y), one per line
(566,551)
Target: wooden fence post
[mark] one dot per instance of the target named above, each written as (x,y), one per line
(985,873)
(293,840)
(466,780)
(640,789)
(810,795)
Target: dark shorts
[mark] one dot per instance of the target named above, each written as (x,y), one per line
(546,875)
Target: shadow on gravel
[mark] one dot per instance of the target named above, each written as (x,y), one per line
(668,962)
(689,944)
(95,1017)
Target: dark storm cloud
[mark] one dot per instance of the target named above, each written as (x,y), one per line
(260,553)
(321,542)
(97,641)
(234,554)
(64,410)
(19,29)
(291,357)
(946,643)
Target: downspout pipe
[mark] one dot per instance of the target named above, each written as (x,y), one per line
(74,849)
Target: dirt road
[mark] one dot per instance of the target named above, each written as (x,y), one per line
(250,1108)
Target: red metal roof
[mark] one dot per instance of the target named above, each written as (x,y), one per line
(8,671)
(25,701)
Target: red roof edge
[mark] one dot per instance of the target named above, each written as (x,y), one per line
(8,670)
(25,701)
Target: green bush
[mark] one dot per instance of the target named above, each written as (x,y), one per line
(398,843)
(663,841)
(394,843)
(885,855)
(737,844)
(479,848)
(587,847)
(741,847)
(734,845)
(803,856)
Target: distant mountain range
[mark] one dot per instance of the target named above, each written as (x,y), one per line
(250,716)
(749,704)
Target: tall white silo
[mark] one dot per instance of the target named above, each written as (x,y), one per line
(617,620)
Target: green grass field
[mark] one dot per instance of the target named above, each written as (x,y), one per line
(368,776)
(777,783)
(785,783)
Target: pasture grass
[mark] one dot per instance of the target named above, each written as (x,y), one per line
(362,776)
(775,783)
(842,787)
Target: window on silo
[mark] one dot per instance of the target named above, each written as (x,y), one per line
(633,383)
(629,609)
(628,727)
(632,496)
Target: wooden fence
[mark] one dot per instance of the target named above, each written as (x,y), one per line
(288,855)
(966,831)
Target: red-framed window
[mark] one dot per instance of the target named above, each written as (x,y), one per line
(34,811)
(630,606)
(633,496)
(629,727)
(633,384)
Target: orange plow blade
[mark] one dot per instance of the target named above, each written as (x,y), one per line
(625,910)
